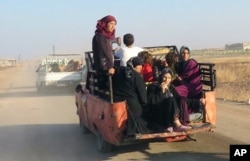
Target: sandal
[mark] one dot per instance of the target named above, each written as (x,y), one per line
(169,129)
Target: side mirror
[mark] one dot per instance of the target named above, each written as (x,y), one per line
(38,68)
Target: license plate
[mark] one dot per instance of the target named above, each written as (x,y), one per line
(61,85)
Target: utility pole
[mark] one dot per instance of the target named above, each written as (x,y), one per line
(53,50)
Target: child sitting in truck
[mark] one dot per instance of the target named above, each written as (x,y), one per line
(147,70)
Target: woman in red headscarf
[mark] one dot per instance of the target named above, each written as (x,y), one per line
(102,44)
(102,48)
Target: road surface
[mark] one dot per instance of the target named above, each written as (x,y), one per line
(45,127)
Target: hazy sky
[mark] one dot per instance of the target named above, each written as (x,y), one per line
(30,28)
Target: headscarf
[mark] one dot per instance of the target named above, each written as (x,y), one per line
(184,48)
(167,70)
(101,26)
(134,61)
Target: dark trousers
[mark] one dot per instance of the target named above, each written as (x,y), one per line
(135,124)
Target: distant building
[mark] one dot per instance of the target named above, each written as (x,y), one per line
(7,62)
(246,46)
(238,46)
(235,46)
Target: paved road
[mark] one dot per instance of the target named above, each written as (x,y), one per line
(45,128)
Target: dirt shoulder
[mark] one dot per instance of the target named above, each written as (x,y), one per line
(233,76)
(7,74)
(235,91)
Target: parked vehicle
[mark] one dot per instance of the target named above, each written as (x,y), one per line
(60,71)
(107,120)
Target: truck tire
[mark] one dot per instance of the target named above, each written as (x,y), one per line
(40,89)
(85,130)
(102,145)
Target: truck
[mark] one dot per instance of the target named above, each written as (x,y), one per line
(60,70)
(106,119)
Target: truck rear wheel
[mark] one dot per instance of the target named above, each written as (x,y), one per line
(40,89)
(85,130)
(102,145)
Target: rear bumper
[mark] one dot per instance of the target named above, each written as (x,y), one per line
(62,83)
(205,127)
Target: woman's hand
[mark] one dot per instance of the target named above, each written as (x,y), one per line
(164,87)
(111,71)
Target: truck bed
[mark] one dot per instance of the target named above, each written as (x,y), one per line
(110,120)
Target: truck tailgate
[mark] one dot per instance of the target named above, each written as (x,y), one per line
(62,76)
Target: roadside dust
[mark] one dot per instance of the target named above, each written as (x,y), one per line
(7,74)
